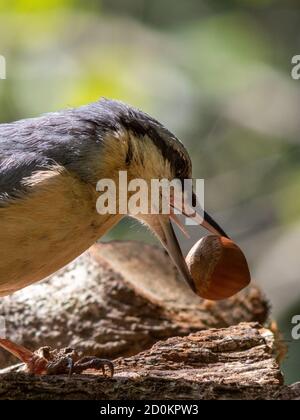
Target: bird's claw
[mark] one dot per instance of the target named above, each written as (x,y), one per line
(46,361)
(90,362)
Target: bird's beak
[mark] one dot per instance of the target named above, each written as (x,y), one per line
(206,220)
(162,226)
(212,226)
(169,240)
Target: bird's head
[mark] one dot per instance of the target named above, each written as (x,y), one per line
(145,149)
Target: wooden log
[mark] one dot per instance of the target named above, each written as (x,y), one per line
(118,300)
(227,363)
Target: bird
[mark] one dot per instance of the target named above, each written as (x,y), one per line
(49,170)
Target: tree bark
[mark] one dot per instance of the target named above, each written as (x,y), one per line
(232,363)
(118,300)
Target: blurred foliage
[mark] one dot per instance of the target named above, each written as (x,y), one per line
(216,72)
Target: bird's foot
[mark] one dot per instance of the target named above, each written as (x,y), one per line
(91,362)
(47,361)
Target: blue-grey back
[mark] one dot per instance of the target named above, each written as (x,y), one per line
(73,139)
(68,138)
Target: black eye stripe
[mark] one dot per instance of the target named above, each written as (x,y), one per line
(142,125)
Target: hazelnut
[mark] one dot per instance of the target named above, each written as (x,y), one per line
(218,267)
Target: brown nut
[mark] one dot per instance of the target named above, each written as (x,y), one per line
(218,267)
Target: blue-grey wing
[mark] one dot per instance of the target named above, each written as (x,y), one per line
(71,139)
(15,169)
(23,152)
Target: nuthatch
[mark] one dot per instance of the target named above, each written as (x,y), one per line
(49,168)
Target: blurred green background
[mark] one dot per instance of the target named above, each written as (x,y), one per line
(217,73)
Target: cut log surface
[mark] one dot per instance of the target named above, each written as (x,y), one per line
(118,300)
